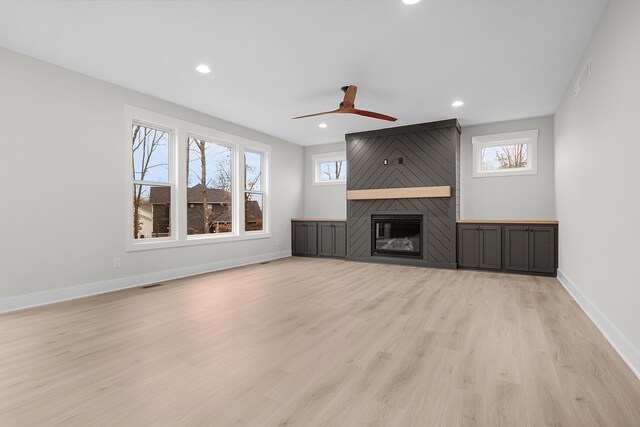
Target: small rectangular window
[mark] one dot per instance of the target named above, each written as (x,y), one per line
(209,181)
(151,182)
(254,191)
(512,153)
(330,168)
(335,170)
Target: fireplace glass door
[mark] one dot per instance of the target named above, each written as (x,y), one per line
(396,235)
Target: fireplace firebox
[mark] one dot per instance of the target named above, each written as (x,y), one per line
(396,235)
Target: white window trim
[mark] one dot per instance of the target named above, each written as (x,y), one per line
(529,137)
(263,168)
(234,203)
(180,131)
(327,157)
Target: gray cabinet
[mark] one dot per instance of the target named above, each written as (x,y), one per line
(332,239)
(531,249)
(490,254)
(480,246)
(304,238)
(521,248)
(319,238)
(516,248)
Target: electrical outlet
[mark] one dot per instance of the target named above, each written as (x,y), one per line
(116,263)
(277,243)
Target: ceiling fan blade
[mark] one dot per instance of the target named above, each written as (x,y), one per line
(316,114)
(349,96)
(373,115)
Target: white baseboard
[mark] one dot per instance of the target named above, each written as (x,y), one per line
(48,297)
(627,351)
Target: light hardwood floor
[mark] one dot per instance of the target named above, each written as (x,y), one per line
(316,342)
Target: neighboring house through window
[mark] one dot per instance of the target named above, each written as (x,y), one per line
(151,174)
(184,183)
(253,191)
(209,179)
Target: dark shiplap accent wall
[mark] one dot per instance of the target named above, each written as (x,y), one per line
(431,154)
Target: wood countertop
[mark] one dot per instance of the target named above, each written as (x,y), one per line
(462,221)
(508,221)
(320,219)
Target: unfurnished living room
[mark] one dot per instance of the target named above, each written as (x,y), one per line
(319,213)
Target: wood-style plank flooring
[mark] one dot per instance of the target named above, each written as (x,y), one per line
(316,342)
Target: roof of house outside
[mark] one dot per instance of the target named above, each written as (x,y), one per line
(161,195)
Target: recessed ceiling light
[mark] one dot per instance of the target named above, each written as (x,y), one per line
(322,125)
(204,69)
(457,104)
(410,1)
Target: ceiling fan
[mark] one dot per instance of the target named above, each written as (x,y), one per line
(347,107)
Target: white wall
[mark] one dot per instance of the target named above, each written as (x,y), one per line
(323,201)
(509,197)
(597,179)
(62,173)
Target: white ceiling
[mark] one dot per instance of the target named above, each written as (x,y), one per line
(275,59)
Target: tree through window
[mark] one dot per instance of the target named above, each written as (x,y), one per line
(209,180)
(254,192)
(151,182)
(513,153)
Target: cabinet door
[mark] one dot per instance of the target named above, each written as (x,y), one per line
(542,249)
(325,239)
(298,238)
(311,240)
(516,253)
(340,239)
(490,255)
(468,245)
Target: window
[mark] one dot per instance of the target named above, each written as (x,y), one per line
(209,197)
(150,147)
(505,154)
(330,169)
(189,183)
(253,194)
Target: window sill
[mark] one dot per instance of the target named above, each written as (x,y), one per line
(497,173)
(193,241)
(330,183)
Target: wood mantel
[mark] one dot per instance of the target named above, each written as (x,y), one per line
(509,221)
(399,193)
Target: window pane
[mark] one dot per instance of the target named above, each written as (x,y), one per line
(503,157)
(333,170)
(253,171)
(253,204)
(150,151)
(209,208)
(151,211)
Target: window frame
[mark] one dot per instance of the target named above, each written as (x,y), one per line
(261,191)
(318,159)
(171,182)
(234,227)
(528,137)
(180,132)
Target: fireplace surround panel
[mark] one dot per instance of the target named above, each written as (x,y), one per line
(382,185)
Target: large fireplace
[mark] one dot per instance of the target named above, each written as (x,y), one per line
(403,194)
(396,235)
